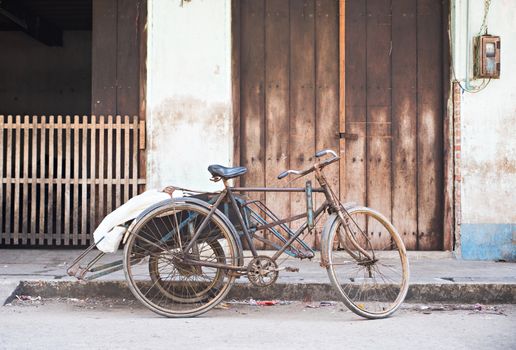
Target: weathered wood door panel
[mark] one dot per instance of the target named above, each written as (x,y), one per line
(394,97)
(118,53)
(288,92)
(430,106)
(404,110)
(289,104)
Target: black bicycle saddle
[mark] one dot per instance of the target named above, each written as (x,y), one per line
(225,172)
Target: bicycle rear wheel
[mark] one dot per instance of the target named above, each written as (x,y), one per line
(165,277)
(371,287)
(160,269)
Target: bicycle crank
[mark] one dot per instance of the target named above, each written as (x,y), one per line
(262,271)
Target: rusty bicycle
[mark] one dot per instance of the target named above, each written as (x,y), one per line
(182,255)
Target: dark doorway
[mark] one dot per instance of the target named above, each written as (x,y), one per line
(72,134)
(45,65)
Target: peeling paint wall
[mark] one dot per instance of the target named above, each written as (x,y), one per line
(488,164)
(189,117)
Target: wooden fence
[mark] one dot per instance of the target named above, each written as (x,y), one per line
(62,175)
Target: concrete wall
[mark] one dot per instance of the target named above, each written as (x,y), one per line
(189,118)
(36,79)
(488,153)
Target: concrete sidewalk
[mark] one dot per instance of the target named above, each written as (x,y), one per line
(435,277)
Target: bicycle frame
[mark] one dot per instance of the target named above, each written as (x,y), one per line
(229,194)
(189,250)
(331,203)
(293,236)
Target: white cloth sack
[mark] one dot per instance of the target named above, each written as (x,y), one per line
(109,228)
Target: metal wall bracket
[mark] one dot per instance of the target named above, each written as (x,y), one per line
(348,136)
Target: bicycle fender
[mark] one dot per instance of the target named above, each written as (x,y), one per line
(139,217)
(201,203)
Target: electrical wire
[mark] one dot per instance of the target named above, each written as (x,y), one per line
(483,27)
(482,30)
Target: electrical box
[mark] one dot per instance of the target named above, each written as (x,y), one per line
(487,57)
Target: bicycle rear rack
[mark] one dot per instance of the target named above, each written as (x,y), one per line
(79,272)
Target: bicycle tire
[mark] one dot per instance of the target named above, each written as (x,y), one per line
(373,288)
(163,233)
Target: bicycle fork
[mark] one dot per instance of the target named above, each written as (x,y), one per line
(335,205)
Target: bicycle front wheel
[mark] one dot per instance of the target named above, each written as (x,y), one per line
(168,278)
(367,263)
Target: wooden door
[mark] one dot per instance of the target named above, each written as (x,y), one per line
(394,103)
(287,104)
(288,91)
(118,57)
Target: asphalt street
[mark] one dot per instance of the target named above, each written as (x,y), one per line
(124,324)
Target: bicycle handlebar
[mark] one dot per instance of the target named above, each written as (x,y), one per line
(319,154)
(288,172)
(325,152)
